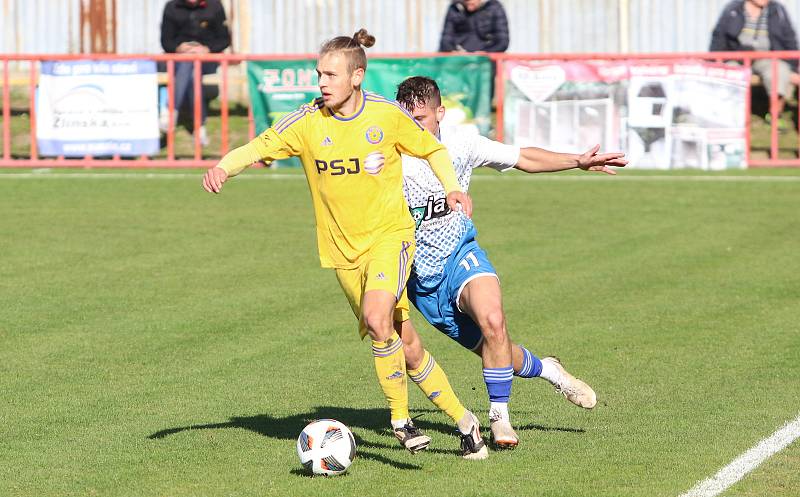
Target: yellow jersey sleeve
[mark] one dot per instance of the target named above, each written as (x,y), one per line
(442,166)
(239,158)
(281,141)
(416,141)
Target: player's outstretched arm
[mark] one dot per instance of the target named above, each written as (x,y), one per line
(266,147)
(539,160)
(230,165)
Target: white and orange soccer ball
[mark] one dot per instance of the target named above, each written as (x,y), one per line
(326,447)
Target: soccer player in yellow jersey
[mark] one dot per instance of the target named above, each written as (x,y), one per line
(349,142)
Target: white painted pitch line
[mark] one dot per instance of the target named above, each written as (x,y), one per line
(39,174)
(660,177)
(747,462)
(198,176)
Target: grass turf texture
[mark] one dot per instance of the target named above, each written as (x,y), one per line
(161,341)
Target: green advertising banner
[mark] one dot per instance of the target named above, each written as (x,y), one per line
(465,82)
(278,87)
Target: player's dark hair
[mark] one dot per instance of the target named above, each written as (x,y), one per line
(417,91)
(351,46)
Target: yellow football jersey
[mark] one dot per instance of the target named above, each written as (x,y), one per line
(353,168)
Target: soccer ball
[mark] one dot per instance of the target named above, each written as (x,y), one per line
(326,447)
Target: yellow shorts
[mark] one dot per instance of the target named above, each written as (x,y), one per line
(385,267)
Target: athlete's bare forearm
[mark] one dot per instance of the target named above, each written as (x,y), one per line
(539,160)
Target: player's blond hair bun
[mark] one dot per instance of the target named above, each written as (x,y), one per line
(352,47)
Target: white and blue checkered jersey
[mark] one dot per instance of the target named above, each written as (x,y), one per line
(438,229)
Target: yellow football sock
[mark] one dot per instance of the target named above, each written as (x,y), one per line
(390,366)
(432,380)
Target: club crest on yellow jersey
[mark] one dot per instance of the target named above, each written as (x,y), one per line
(374,135)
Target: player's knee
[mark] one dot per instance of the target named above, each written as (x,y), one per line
(493,326)
(379,325)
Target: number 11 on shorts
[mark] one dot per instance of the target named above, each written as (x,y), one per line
(469,258)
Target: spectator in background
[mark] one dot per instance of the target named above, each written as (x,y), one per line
(475,26)
(193,27)
(760,25)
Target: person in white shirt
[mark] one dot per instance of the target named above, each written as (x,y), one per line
(453,284)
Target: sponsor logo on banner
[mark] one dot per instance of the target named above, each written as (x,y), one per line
(540,83)
(665,114)
(98,108)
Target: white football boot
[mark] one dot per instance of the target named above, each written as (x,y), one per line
(575,390)
(503,434)
(472,445)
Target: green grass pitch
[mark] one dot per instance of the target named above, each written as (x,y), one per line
(161,341)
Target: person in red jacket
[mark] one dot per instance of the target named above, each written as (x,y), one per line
(193,27)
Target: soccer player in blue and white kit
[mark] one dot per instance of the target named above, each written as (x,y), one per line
(453,284)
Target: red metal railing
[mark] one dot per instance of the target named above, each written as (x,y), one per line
(197,160)
(225,61)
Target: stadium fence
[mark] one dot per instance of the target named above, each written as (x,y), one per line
(28,64)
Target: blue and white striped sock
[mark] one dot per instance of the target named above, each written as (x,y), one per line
(498,383)
(531,365)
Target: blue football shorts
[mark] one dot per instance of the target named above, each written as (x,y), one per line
(439,304)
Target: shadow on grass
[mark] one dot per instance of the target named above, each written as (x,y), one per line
(450,429)
(550,428)
(374,420)
(288,428)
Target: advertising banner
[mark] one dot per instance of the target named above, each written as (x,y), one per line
(465,83)
(97,108)
(278,87)
(281,86)
(662,114)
